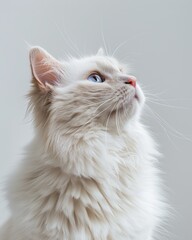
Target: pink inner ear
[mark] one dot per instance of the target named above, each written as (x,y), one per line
(44,67)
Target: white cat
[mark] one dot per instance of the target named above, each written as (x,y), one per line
(90,173)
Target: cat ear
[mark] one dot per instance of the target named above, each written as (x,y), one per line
(46,70)
(100,52)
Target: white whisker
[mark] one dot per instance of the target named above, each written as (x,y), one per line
(66,37)
(118,47)
(173,131)
(166,105)
(103,39)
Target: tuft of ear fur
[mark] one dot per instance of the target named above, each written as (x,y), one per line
(100,52)
(46,70)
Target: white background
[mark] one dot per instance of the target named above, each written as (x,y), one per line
(158,37)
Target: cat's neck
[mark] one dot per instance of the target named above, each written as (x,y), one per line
(91,154)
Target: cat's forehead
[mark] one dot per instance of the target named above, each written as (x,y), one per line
(101,63)
(109,65)
(104,63)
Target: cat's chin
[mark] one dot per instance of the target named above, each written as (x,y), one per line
(134,105)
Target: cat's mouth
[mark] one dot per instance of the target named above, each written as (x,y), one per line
(136,96)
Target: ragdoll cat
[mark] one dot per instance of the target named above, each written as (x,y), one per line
(90,172)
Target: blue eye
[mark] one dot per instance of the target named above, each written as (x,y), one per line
(95,78)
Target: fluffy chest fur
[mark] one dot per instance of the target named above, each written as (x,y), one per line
(111,204)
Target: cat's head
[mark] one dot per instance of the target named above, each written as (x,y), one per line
(76,94)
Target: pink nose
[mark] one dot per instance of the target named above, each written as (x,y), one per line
(131,80)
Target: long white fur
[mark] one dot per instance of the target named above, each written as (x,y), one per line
(90,172)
